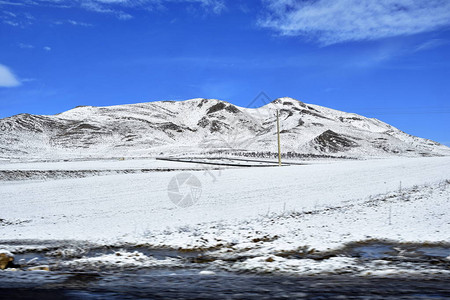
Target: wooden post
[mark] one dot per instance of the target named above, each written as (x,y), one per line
(278,135)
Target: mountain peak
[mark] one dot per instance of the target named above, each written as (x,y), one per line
(288,101)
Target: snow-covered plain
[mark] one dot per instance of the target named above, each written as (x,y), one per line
(256,213)
(100,165)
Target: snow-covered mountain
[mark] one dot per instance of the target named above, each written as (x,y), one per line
(205,126)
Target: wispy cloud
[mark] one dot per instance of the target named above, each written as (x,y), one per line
(15,3)
(25,46)
(14,19)
(11,23)
(72,22)
(10,14)
(47,48)
(431,44)
(23,80)
(122,9)
(7,77)
(335,21)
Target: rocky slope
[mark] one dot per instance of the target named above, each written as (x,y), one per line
(205,126)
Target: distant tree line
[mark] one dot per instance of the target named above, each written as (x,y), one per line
(269,154)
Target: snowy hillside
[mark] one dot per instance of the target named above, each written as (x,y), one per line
(205,126)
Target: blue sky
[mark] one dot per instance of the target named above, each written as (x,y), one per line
(388,59)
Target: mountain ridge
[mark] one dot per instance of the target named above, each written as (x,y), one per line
(205,126)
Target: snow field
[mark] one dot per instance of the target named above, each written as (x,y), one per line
(255,213)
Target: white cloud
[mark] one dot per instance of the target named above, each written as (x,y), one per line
(78,23)
(11,14)
(12,23)
(7,77)
(25,46)
(124,16)
(336,21)
(72,22)
(215,6)
(17,3)
(14,19)
(47,48)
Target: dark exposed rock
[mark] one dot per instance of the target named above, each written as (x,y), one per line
(217,126)
(203,122)
(287,112)
(301,104)
(308,112)
(330,141)
(171,126)
(232,109)
(202,102)
(216,107)
(342,119)
(87,126)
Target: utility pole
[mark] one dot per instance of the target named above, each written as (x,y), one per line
(278,135)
